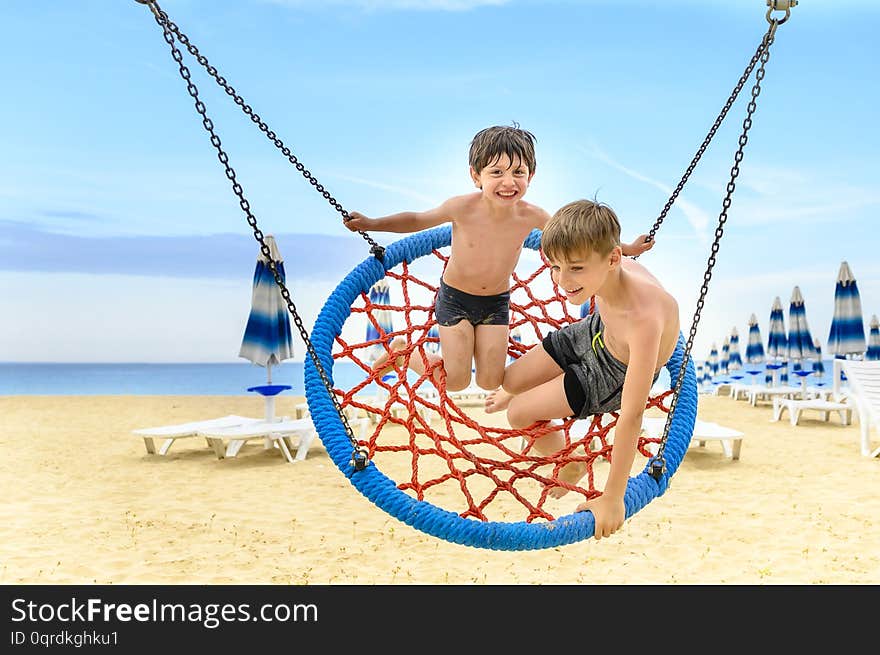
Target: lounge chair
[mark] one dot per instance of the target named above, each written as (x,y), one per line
(171,433)
(275,433)
(470,396)
(815,399)
(730,439)
(863,380)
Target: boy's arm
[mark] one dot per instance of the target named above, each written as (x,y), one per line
(609,510)
(402,221)
(637,247)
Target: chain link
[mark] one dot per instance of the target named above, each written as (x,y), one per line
(658,465)
(169,34)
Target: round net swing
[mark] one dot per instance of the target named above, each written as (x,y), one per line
(462,475)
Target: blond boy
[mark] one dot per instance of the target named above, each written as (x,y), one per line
(607,361)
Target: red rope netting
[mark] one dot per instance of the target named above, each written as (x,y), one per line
(443,445)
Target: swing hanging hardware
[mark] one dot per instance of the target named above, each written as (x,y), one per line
(657,468)
(777,5)
(360,457)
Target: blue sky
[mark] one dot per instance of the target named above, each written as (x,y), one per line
(120,239)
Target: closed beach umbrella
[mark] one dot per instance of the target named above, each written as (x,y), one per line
(714,366)
(267,340)
(724,363)
(735,359)
(379,319)
(433,346)
(847,335)
(777,341)
(873,352)
(800,341)
(777,344)
(755,346)
(818,364)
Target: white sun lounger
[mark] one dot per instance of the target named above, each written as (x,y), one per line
(863,394)
(275,433)
(171,433)
(731,440)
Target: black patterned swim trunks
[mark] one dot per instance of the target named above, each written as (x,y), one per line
(453,306)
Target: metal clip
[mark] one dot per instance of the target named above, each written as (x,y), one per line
(658,468)
(780,5)
(359,459)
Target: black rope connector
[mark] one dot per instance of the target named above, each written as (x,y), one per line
(658,468)
(359,458)
(379,252)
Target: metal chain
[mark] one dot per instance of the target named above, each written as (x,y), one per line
(658,463)
(358,453)
(375,248)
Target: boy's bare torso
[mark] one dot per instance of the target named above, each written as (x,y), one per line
(646,300)
(486,244)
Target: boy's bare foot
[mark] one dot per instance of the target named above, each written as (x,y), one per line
(497,401)
(381,365)
(570,473)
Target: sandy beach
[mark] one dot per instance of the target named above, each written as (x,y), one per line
(84,503)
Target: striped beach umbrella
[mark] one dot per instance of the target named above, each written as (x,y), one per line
(873,352)
(724,363)
(379,319)
(847,335)
(714,366)
(777,345)
(433,346)
(755,345)
(800,341)
(267,340)
(818,364)
(735,358)
(777,341)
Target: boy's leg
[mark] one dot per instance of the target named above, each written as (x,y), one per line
(457,346)
(546,402)
(490,354)
(535,367)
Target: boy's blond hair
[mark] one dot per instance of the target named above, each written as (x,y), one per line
(579,228)
(489,144)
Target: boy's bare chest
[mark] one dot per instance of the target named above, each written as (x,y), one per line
(490,239)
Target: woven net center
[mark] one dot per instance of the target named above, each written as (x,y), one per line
(442,446)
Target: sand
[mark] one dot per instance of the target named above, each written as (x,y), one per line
(84,503)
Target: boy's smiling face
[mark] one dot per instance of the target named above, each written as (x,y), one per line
(503,181)
(583,276)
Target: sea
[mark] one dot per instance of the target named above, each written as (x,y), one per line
(138,379)
(226,379)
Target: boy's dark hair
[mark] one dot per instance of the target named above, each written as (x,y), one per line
(491,143)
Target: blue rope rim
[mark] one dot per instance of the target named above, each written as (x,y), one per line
(422,515)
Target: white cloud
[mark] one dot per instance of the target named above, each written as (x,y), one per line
(698,218)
